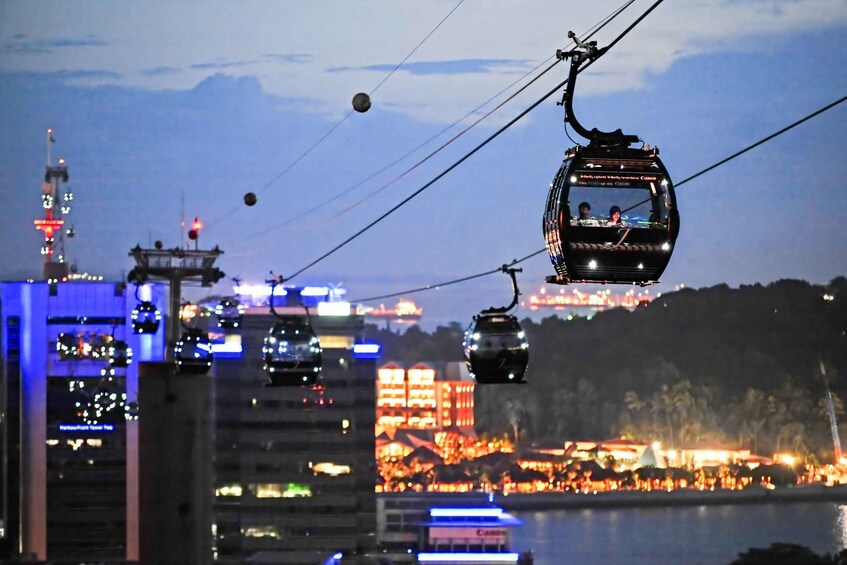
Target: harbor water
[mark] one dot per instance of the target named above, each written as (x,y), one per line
(709,535)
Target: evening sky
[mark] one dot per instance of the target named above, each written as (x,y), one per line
(167,110)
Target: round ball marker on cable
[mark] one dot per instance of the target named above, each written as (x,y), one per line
(361,102)
(250,198)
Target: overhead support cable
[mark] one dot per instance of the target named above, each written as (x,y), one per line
(347,115)
(588,34)
(690,178)
(464,158)
(448,283)
(430,183)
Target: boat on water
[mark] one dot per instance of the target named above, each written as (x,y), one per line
(460,536)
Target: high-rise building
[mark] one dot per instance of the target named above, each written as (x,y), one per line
(295,465)
(69,452)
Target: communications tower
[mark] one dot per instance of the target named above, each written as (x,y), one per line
(56,204)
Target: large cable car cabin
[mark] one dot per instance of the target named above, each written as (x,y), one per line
(596,245)
(495,347)
(193,352)
(230,313)
(292,354)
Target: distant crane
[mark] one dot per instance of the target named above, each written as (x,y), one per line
(830,410)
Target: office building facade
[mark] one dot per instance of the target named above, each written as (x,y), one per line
(69,470)
(295,465)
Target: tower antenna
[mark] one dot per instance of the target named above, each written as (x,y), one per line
(56,205)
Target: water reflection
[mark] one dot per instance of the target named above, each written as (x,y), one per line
(841,524)
(712,535)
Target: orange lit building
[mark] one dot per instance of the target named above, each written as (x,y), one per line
(416,398)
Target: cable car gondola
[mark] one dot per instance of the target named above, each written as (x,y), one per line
(495,346)
(67,346)
(145,316)
(230,313)
(608,174)
(119,353)
(193,352)
(291,354)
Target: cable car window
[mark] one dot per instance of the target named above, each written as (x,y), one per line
(290,350)
(642,198)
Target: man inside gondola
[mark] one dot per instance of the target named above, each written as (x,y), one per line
(585,218)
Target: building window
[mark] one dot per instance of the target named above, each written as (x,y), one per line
(261,532)
(228,490)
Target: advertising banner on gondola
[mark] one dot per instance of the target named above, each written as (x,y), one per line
(615,179)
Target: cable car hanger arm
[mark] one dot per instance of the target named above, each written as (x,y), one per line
(503,309)
(587,55)
(587,51)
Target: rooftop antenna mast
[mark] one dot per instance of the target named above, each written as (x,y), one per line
(56,205)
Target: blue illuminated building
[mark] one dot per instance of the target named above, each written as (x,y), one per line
(70,443)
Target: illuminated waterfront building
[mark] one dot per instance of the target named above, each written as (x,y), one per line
(69,438)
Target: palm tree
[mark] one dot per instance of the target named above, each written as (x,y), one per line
(516,415)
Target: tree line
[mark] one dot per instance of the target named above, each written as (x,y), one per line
(743,367)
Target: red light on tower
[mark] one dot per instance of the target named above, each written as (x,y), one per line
(194,232)
(48,227)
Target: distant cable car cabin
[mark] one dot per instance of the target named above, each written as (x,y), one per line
(67,347)
(588,245)
(146,318)
(119,353)
(230,313)
(495,347)
(193,352)
(291,354)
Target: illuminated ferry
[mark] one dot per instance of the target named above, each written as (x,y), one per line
(404,312)
(469,535)
(598,301)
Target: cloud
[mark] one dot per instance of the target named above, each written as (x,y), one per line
(161,71)
(221,65)
(450,67)
(86,74)
(20,46)
(283,58)
(325,52)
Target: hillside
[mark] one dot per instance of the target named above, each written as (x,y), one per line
(696,367)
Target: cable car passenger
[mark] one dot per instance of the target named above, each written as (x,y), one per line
(585,218)
(615,220)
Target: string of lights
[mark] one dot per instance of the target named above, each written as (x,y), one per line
(680,183)
(587,35)
(467,155)
(341,121)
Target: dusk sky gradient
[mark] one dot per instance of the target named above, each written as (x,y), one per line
(159,103)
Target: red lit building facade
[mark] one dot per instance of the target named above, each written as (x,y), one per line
(421,398)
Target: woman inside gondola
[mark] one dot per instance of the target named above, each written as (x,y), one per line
(615,220)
